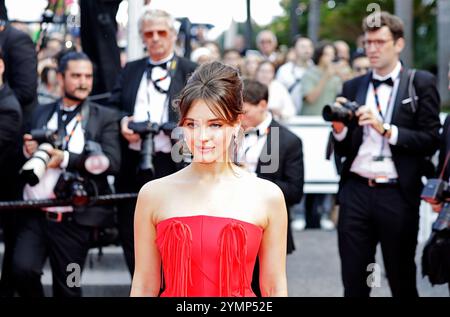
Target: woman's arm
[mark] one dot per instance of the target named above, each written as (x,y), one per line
(147,272)
(272,253)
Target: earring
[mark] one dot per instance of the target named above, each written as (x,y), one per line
(235,149)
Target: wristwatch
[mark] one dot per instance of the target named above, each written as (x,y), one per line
(386,128)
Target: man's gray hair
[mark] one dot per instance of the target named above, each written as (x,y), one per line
(153,14)
(268,32)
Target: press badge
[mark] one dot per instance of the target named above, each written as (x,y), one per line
(380,167)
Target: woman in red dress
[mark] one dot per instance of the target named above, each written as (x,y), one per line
(206,224)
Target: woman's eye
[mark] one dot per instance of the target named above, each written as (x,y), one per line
(191,125)
(216,125)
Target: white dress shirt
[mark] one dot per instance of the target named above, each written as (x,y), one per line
(254,144)
(44,189)
(154,105)
(372,143)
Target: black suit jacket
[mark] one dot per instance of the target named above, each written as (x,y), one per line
(418,131)
(19,55)
(125,91)
(10,124)
(123,99)
(444,149)
(289,175)
(101,127)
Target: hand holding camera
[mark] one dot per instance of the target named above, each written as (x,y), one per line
(30,145)
(340,113)
(56,158)
(127,133)
(367,117)
(343,112)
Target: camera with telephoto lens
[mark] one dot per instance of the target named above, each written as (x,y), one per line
(435,191)
(147,130)
(46,136)
(73,187)
(33,169)
(344,112)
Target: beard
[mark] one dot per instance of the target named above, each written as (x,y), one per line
(70,96)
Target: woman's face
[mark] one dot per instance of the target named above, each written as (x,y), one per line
(207,136)
(265,73)
(327,56)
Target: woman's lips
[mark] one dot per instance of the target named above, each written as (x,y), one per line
(205,149)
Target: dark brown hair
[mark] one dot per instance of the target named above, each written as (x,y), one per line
(219,86)
(377,20)
(254,92)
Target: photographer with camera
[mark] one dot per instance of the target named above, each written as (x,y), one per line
(72,147)
(385,143)
(10,127)
(436,253)
(19,57)
(143,94)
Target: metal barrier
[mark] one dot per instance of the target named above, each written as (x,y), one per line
(39,203)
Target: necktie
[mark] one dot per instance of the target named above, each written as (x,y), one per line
(376,82)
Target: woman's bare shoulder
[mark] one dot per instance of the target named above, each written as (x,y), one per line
(158,187)
(269,189)
(155,194)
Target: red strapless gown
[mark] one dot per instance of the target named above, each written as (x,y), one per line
(207,256)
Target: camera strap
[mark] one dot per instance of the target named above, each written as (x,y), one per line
(172,67)
(80,112)
(384,118)
(378,104)
(441,175)
(170,74)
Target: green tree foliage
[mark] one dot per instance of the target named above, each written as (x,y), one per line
(341,19)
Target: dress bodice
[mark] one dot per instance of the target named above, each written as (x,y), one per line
(207,255)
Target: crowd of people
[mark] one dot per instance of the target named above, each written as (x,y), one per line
(203,141)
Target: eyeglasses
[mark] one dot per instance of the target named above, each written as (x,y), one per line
(376,43)
(362,69)
(151,34)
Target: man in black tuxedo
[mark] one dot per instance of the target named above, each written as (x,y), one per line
(272,152)
(385,147)
(19,56)
(10,121)
(443,169)
(64,233)
(144,92)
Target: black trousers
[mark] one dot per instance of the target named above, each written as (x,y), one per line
(372,215)
(164,166)
(9,191)
(8,222)
(63,243)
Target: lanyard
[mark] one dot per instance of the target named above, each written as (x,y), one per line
(69,136)
(378,104)
(62,124)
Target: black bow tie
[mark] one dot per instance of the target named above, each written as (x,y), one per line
(151,66)
(376,82)
(252,132)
